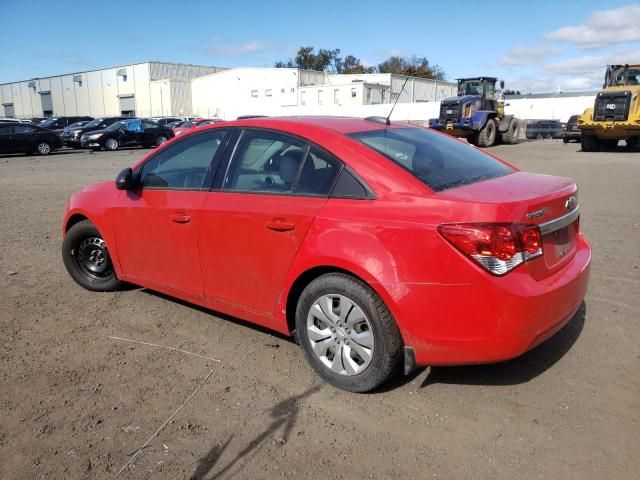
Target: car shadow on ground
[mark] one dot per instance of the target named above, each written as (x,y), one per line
(223,316)
(283,417)
(513,372)
(519,370)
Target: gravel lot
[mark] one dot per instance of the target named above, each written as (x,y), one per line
(76,403)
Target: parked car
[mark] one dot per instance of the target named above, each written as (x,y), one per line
(127,133)
(71,137)
(208,122)
(58,124)
(544,129)
(164,121)
(20,137)
(189,124)
(373,244)
(571,130)
(176,124)
(13,120)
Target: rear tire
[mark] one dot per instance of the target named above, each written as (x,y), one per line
(487,136)
(590,143)
(86,258)
(347,333)
(510,137)
(565,140)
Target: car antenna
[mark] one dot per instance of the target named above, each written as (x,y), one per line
(386,120)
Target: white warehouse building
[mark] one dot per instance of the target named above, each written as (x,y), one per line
(290,91)
(142,89)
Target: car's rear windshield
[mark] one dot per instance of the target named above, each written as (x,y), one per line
(438,161)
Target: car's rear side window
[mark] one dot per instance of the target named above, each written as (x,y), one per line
(438,161)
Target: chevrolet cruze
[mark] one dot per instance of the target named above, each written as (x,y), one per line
(375,245)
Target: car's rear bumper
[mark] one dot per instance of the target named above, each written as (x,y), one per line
(492,320)
(572,135)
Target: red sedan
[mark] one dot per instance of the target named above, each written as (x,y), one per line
(196,122)
(375,245)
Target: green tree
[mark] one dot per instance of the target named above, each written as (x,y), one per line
(308,59)
(351,64)
(413,66)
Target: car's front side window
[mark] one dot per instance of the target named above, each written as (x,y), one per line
(183,165)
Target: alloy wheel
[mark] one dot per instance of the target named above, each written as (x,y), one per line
(112,144)
(44,148)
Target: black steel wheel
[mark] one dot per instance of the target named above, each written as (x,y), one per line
(86,258)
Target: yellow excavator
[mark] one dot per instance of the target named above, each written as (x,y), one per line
(615,115)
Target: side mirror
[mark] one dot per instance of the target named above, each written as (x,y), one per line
(124,180)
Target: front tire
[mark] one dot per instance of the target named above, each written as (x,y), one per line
(43,148)
(632,143)
(590,143)
(111,144)
(86,258)
(160,140)
(347,333)
(487,136)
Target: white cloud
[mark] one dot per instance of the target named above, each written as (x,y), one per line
(528,55)
(591,63)
(603,28)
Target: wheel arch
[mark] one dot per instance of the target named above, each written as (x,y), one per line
(73,219)
(305,277)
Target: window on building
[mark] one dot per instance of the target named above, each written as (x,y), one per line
(254,93)
(368,95)
(354,93)
(293,89)
(282,90)
(320,95)
(268,93)
(336,96)
(303,97)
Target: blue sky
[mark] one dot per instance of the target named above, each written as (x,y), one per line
(536,46)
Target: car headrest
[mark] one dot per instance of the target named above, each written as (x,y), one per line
(288,165)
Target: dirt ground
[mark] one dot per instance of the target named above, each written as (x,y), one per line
(77,403)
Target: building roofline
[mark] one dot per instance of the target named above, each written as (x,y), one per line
(114,66)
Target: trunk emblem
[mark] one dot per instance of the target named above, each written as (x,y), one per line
(571,203)
(536,213)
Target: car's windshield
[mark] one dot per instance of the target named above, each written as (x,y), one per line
(115,126)
(48,122)
(189,124)
(76,125)
(437,160)
(94,123)
(470,88)
(618,77)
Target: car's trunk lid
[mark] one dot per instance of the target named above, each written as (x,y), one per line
(530,198)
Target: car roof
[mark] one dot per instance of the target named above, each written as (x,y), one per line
(342,125)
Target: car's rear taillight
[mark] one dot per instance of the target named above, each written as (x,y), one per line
(498,247)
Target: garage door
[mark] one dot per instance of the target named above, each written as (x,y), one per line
(47,105)
(8,110)
(128,105)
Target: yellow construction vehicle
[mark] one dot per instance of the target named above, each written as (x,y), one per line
(616,113)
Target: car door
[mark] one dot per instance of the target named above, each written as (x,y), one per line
(23,137)
(253,222)
(148,133)
(156,224)
(6,143)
